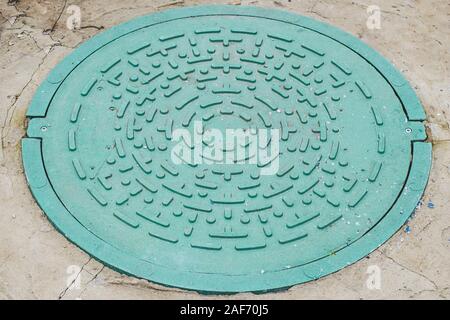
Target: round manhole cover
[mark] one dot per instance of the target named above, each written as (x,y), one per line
(226,149)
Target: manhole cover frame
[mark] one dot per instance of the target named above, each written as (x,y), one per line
(63,220)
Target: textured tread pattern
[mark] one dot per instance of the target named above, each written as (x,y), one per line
(345,147)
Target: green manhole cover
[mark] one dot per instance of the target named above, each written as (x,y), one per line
(112,126)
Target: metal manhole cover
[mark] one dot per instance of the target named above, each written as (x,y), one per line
(100,152)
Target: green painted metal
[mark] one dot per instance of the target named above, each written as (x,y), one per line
(353,162)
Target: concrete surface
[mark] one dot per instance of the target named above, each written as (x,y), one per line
(37,262)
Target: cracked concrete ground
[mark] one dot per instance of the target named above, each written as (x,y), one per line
(37,262)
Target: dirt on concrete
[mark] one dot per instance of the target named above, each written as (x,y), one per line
(37,262)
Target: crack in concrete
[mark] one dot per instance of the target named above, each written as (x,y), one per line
(90,281)
(440,292)
(141,284)
(312,10)
(92,27)
(124,9)
(57,19)
(170,4)
(95,275)
(10,110)
(6,126)
(412,271)
(425,227)
(64,291)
